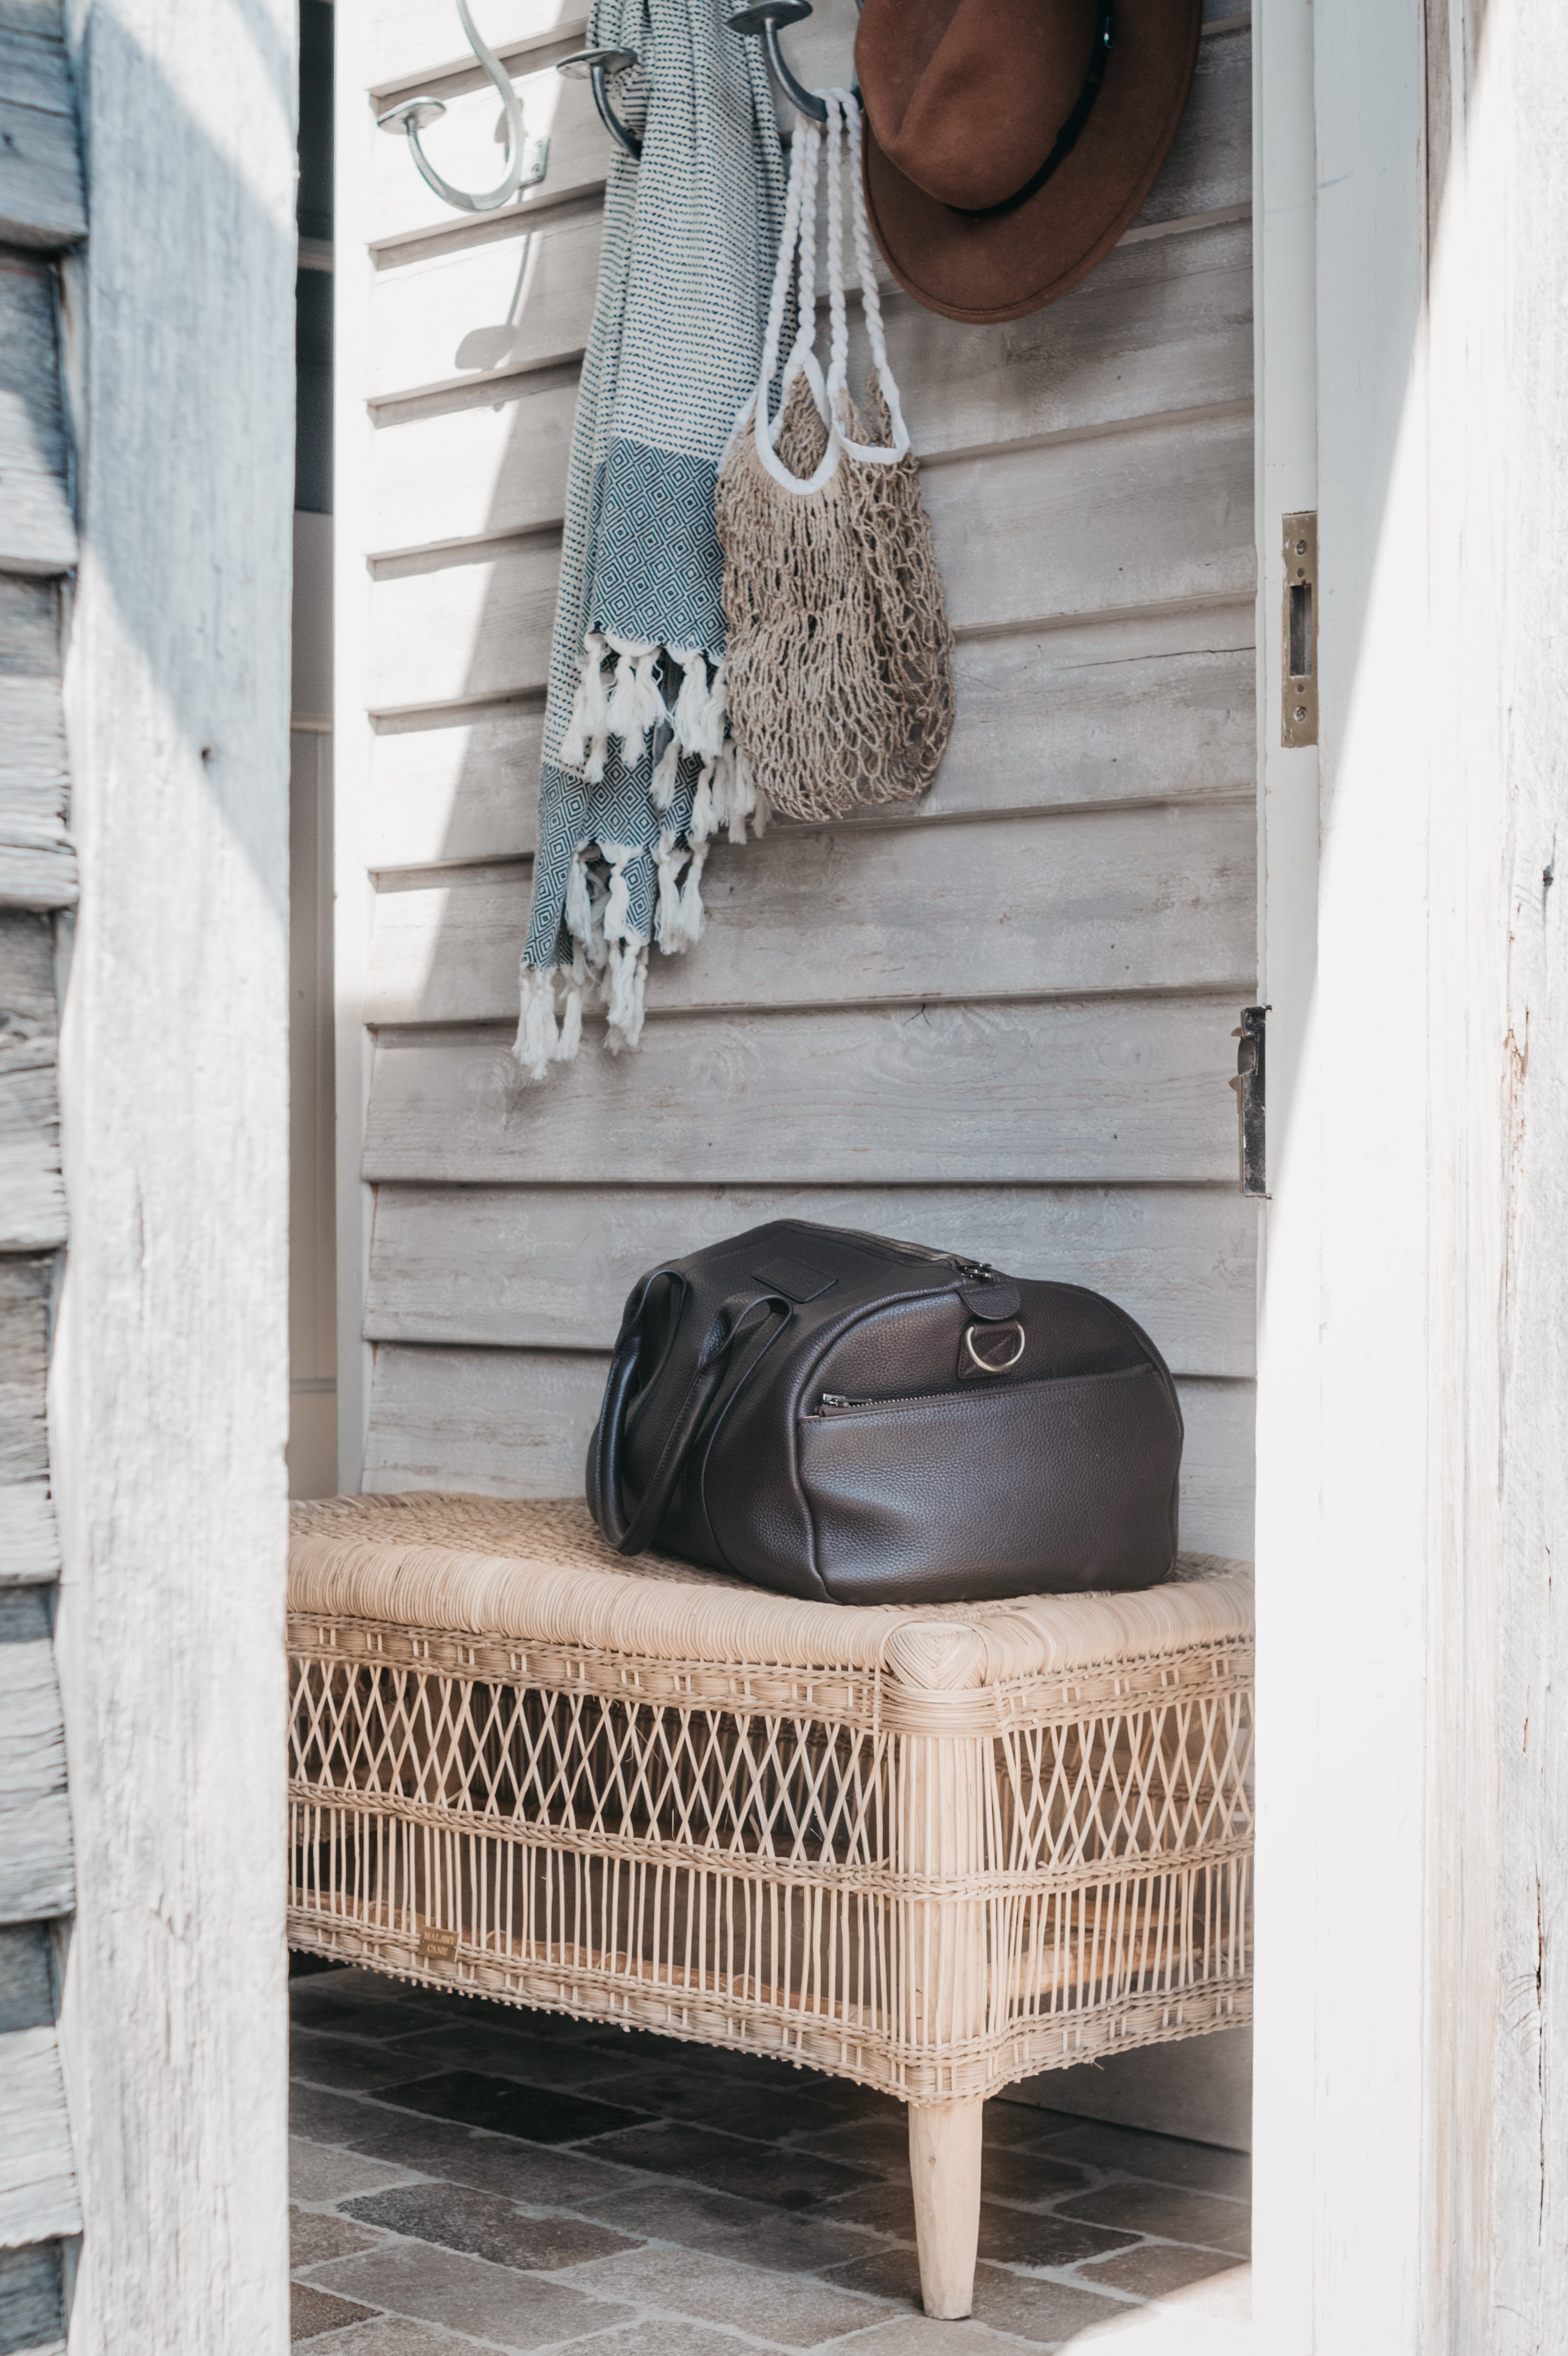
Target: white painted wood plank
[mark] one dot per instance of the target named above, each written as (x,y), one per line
(1163,325)
(1143,899)
(551,1268)
(1155,516)
(32,1200)
(516,1423)
(36,1877)
(170,1372)
(463,148)
(29,1535)
(40,176)
(37,863)
(1156,707)
(422,38)
(485,310)
(463,473)
(1102,1090)
(32,1193)
(38,533)
(24,1311)
(32,2315)
(472,629)
(1144,518)
(37,2179)
(29,627)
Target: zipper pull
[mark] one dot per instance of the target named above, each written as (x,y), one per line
(831,1399)
(977,1271)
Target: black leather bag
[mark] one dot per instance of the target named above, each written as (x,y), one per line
(834,1415)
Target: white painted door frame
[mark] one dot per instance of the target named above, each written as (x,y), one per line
(1411,208)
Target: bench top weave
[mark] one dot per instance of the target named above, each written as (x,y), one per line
(536,1571)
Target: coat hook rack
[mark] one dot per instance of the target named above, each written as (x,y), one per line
(598,65)
(762,23)
(527,159)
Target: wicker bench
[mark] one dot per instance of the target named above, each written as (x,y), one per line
(935,1849)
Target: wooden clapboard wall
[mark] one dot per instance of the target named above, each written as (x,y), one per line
(41,213)
(1000,1022)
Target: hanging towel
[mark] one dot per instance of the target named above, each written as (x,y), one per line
(640,769)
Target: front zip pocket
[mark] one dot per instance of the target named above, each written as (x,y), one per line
(834,1403)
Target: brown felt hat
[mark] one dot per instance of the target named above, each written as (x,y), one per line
(1007,145)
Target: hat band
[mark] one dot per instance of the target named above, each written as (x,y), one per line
(1067,137)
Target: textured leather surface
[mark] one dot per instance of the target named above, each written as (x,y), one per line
(941,1484)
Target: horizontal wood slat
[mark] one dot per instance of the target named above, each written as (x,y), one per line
(29,628)
(38,2181)
(424,38)
(1158,515)
(1134,708)
(1162,325)
(41,201)
(30,2299)
(29,1535)
(484,311)
(1145,899)
(25,1286)
(37,863)
(38,533)
(465,149)
(1108,1090)
(463,313)
(513,1266)
(36,1879)
(32,1199)
(516,1423)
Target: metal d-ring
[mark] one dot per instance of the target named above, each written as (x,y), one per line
(765,19)
(999,1365)
(597,66)
(525,158)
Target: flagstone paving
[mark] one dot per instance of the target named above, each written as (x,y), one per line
(466,2175)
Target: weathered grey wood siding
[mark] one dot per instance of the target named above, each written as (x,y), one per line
(41,213)
(1001,1022)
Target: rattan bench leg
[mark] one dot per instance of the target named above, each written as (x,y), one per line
(944,2164)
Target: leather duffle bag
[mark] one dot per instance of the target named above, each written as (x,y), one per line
(834,1415)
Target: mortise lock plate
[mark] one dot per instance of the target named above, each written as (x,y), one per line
(1249,1087)
(1298,632)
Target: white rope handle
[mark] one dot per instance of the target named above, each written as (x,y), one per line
(873,453)
(839,145)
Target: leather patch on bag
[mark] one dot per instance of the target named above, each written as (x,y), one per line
(996,1301)
(795,1279)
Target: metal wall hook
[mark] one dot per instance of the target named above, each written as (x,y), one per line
(527,158)
(597,66)
(764,21)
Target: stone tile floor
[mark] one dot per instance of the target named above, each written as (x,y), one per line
(465,2174)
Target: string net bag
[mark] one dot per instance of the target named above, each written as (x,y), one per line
(839,664)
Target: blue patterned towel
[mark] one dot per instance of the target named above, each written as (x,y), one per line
(640,768)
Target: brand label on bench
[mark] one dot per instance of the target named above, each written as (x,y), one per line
(437,1946)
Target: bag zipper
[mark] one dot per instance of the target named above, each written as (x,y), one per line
(835,1403)
(973,1271)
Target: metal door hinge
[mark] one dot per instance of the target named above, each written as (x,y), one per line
(1298,632)
(1249,1087)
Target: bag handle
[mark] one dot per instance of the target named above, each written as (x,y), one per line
(634,1534)
(840,144)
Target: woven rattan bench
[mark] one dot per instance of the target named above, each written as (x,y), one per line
(933,1848)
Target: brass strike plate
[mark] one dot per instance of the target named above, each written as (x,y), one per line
(1298,632)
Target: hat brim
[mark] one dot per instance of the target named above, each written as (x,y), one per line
(1016,262)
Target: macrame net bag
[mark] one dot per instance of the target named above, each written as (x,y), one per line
(839,663)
